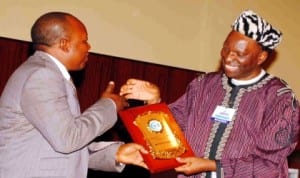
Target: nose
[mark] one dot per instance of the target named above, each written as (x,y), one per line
(231,55)
(89,46)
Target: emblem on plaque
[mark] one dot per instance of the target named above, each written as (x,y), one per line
(161,139)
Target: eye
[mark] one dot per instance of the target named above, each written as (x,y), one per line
(225,50)
(240,55)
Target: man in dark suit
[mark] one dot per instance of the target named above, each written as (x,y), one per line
(42,130)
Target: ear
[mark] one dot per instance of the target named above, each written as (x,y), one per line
(262,57)
(64,44)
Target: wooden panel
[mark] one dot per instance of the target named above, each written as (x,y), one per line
(12,54)
(100,70)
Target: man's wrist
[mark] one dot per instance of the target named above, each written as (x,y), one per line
(153,101)
(119,164)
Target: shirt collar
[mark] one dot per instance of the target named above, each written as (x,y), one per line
(249,82)
(61,67)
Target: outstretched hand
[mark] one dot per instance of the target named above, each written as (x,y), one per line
(120,101)
(140,90)
(130,153)
(195,165)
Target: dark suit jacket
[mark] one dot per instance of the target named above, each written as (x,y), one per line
(43,133)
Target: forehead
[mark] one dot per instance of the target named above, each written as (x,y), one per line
(77,27)
(240,41)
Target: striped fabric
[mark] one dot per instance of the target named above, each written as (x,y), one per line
(261,135)
(257,28)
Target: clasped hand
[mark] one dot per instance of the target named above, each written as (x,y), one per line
(120,101)
(140,90)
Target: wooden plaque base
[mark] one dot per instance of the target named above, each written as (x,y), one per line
(154,127)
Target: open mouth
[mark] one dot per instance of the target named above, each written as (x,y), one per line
(231,67)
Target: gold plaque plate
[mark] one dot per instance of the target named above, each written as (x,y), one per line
(161,139)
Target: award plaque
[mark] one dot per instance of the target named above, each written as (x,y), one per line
(154,127)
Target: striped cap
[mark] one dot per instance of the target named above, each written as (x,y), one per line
(257,28)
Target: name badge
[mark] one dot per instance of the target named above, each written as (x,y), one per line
(223,114)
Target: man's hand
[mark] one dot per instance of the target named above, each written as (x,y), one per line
(130,153)
(120,101)
(195,165)
(140,90)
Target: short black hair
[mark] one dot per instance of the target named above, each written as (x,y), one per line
(49,28)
